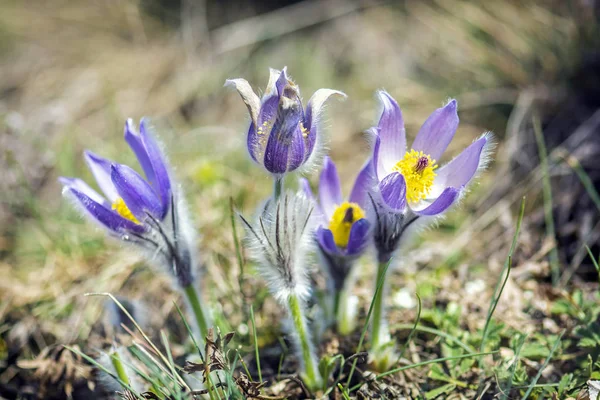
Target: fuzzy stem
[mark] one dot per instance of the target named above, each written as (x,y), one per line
(115,359)
(345,325)
(379,328)
(194,300)
(311,377)
(277,187)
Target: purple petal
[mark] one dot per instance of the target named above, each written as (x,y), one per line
(393,191)
(378,169)
(330,190)
(313,114)
(391,132)
(253,143)
(441,204)
(437,132)
(284,137)
(359,237)
(136,192)
(364,183)
(296,154)
(157,160)
(135,142)
(281,82)
(106,217)
(270,100)
(82,187)
(326,242)
(458,172)
(305,187)
(100,168)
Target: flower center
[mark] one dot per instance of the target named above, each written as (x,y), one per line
(341,222)
(121,208)
(418,171)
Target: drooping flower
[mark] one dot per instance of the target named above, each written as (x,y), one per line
(343,232)
(283,136)
(410,182)
(279,242)
(145,212)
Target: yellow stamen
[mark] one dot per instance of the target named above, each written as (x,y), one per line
(121,208)
(305,131)
(344,216)
(418,171)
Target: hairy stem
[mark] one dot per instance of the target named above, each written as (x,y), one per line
(277,188)
(191,293)
(311,375)
(345,323)
(379,328)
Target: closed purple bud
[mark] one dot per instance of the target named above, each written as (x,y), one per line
(283,135)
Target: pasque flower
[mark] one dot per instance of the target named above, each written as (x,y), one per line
(146,212)
(280,241)
(410,181)
(283,135)
(410,186)
(343,233)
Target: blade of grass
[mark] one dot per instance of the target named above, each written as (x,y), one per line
(238,254)
(191,335)
(436,332)
(501,282)
(547,191)
(514,367)
(539,374)
(434,361)
(137,326)
(594,260)
(167,347)
(344,394)
(583,176)
(255,344)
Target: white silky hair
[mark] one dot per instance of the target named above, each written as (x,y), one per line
(280,240)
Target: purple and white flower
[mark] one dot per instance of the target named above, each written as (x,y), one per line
(409,183)
(283,135)
(142,211)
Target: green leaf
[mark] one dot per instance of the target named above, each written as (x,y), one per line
(535,351)
(432,394)
(564,383)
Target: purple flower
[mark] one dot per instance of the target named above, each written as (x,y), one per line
(137,210)
(282,135)
(343,233)
(411,179)
(409,184)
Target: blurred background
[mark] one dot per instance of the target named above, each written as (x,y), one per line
(71,72)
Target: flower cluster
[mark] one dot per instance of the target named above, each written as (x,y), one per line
(397,189)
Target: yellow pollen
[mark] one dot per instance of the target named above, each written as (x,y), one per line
(121,208)
(344,216)
(418,171)
(305,131)
(261,129)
